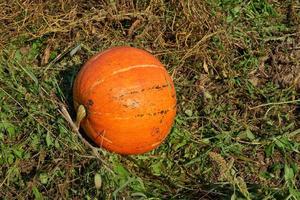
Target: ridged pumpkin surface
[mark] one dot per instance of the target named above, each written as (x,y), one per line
(129,98)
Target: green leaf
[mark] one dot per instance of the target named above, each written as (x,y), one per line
(295,167)
(229,19)
(288,173)
(35,140)
(280,143)
(37,194)
(138,185)
(9,128)
(18,152)
(49,140)
(44,178)
(18,55)
(206,140)
(157,168)
(10,158)
(247,134)
(288,144)
(207,95)
(53,55)
(35,49)
(56,144)
(121,171)
(62,129)
(236,10)
(189,113)
(179,121)
(294,193)
(269,150)
(250,135)
(266,175)
(29,73)
(179,144)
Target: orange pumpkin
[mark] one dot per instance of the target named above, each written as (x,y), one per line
(129,100)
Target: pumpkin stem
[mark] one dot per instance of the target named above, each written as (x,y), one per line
(81,114)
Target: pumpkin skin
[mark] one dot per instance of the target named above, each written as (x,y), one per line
(129,98)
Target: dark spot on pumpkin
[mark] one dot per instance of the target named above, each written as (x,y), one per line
(90,102)
(160,121)
(164,86)
(157,87)
(140,115)
(134,92)
(155,132)
(163,112)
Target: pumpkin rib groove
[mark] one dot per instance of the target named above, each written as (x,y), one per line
(95,113)
(137,66)
(90,62)
(97,82)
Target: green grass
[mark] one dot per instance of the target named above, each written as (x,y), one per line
(237,130)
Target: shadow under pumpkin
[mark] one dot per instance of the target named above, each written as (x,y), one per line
(66,80)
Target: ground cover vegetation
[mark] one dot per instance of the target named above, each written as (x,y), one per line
(235,65)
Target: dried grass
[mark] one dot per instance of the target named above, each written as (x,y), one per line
(193,41)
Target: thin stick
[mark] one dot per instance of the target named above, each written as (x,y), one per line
(275,103)
(60,56)
(63,111)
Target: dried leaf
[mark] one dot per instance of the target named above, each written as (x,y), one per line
(133,27)
(254,80)
(46,56)
(205,66)
(98,181)
(73,51)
